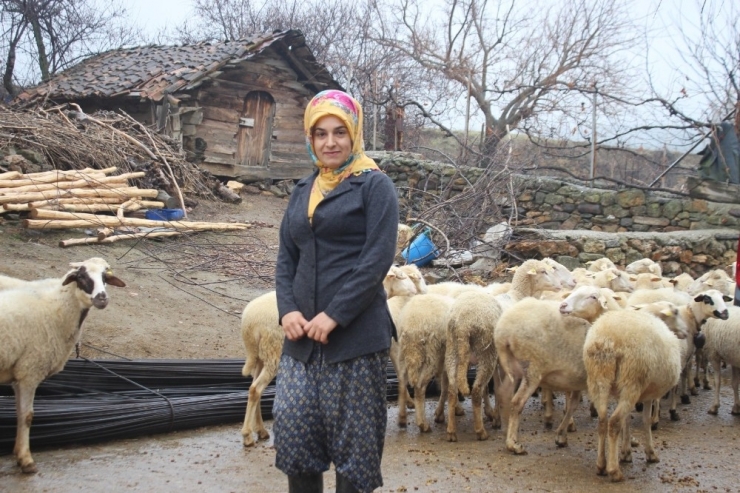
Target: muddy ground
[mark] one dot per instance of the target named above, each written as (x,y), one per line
(183,300)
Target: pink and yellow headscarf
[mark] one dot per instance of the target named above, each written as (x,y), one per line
(344,107)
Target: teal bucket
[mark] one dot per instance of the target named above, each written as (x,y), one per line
(421,251)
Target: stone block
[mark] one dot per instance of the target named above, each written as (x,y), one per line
(592,208)
(660,222)
(630,198)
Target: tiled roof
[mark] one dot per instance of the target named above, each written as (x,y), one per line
(150,71)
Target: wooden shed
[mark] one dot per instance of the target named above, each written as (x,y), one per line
(236,107)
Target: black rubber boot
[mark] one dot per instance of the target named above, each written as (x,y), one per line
(344,485)
(306,483)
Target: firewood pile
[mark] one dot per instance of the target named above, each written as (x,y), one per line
(68,139)
(74,198)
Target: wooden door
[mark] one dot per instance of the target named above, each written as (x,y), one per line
(255,129)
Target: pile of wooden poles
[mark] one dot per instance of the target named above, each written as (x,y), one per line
(72,199)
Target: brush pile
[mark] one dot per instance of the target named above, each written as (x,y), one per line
(65,138)
(71,199)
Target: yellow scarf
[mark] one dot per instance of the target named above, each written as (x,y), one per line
(344,107)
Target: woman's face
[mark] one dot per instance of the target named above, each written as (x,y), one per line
(331,141)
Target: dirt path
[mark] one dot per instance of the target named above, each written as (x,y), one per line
(180,304)
(700,453)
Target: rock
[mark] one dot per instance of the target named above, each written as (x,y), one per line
(630,198)
(651,221)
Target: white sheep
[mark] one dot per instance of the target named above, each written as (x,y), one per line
(714,279)
(635,357)
(614,279)
(471,325)
(644,296)
(538,345)
(703,307)
(453,289)
(598,265)
(682,281)
(263,342)
(649,281)
(422,340)
(405,233)
(723,344)
(644,266)
(40,322)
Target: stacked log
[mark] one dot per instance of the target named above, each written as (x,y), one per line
(88,190)
(72,199)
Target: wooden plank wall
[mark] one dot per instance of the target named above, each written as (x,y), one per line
(222,103)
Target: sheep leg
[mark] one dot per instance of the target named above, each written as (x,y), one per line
(498,382)
(548,399)
(439,411)
(524,392)
(673,397)
(420,392)
(489,409)
(683,384)
(480,386)
(655,415)
(571,422)
(571,403)
(403,391)
(600,403)
(735,383)
(716,364)
(625,440)
(452,401)
(691,375)
(253,419)
(650,454)
(451,418)
(616,428)
(247,427)
(705,370)
(24,395)
(403,397)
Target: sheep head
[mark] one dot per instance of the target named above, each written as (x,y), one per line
(91,277)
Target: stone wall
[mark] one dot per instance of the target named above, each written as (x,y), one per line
(565,215)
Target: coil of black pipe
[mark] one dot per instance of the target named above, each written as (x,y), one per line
(95,400)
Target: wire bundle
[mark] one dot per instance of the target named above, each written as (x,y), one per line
(96,400)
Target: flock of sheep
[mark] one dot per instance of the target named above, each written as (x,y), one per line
(626,336)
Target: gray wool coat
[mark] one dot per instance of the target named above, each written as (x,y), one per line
(337,265)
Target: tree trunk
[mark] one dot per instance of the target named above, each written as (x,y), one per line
(9,69)
(38,36)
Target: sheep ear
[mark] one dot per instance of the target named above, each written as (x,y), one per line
(709,283)
(512,269)
(633,278)
(638,307)
(699,299)
(71,277)
(726,298)
(668,312)
(610,276)
(673,281)
(602,300)
(112,280)
(532,271)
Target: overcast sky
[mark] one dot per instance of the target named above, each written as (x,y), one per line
(659,16)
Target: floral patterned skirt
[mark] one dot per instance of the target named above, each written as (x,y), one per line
(332,413)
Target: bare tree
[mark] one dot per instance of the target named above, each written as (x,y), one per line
(708,68)
(514,63)
(58,33)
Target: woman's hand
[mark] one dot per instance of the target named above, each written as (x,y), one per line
(319,327)
(293,325)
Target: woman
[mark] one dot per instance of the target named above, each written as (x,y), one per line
(337,242)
